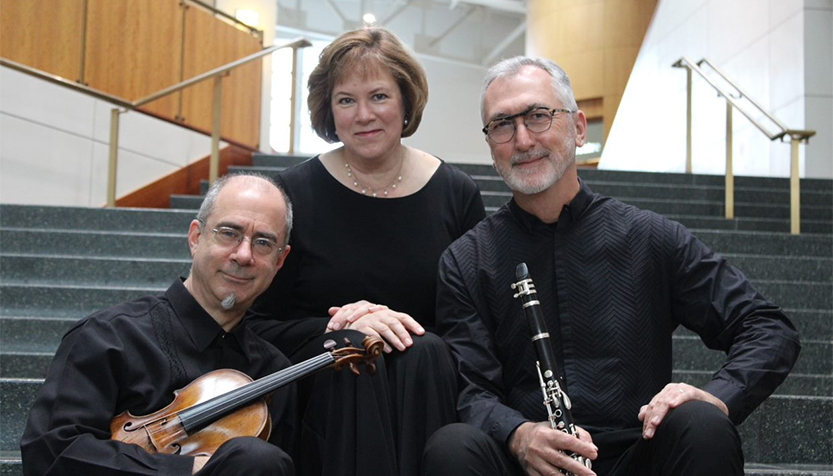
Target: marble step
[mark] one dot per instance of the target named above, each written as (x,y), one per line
(140,220)
(102,244)
(783,430)
(89,270)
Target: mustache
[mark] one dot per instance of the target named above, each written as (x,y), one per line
(237,271)
(530,155)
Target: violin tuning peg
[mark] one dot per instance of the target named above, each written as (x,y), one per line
(329,344)
(347,342)
(354,369)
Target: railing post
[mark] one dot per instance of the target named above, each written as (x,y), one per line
(113,157)
(795,188)
(730,176)
(214,162)
(688,122)
(293,99)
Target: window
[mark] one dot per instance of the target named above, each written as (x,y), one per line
(307,141)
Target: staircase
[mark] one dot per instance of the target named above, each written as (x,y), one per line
(59,264)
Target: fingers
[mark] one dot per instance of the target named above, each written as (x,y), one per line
(672,396)
(542,450)
(393,327)
(341,316)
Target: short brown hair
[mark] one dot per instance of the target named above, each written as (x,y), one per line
(347,52)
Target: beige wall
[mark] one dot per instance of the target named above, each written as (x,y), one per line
(133,48)
(595,41)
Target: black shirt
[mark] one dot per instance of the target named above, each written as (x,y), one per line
(614,283)
(132,357)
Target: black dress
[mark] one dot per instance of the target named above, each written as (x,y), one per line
(347,247)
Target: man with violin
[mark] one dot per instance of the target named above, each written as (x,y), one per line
(133,357)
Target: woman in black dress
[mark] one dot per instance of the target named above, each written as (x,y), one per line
(371,220)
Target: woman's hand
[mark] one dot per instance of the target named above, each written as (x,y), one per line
(395,328)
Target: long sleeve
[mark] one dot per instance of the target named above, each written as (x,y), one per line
(68,432)
(718,302)
(480,401)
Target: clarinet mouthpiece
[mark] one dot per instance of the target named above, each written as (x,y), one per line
(521,271)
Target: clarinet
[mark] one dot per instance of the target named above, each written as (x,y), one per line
(555,399)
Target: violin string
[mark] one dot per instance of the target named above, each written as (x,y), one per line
(208,410)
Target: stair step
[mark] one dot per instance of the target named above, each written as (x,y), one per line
(777,244)
(276,160)
(622,188)
(18,397)
(186,202)
(689,206)
(103,244)
(66,300)
(20,334)
(795,384)
(141,220)
(797,294)
(46,269)
(791,268)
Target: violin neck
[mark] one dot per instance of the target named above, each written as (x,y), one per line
(209,411)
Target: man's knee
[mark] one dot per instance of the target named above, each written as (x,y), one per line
(457,449)
(700,425)
(251,456)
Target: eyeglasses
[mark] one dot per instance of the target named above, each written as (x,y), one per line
(537,119)
(231,238)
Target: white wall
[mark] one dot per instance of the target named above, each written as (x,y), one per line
(450,127)
(54,145)
(778,51)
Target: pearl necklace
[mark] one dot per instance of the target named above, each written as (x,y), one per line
(374,192)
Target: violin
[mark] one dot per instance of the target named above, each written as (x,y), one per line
(226,404)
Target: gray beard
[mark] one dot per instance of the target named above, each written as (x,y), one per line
(229,301)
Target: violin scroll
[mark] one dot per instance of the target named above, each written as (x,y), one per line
(350,355)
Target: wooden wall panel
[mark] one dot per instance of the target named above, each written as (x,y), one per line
(43,34)
(134,49)
(595,41)
(210,43)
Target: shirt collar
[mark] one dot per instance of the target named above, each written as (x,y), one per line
(569,214)
(200,326)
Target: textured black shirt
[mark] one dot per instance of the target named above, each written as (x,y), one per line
(132,357)
(347,247)
(614,283)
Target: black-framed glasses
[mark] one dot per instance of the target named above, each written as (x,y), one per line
(231,238)
(537,119)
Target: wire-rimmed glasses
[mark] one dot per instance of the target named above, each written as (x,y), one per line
(228,237)
(537,119)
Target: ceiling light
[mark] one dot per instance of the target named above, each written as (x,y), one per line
(369,19)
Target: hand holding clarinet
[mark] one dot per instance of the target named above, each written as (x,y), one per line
(557,446)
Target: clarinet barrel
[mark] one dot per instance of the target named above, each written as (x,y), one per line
(556,401)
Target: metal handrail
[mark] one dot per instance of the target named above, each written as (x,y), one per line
(252,30)
(126,105)
(78,87)
(796,136)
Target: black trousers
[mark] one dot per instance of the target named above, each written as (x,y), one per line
(248,456)
(694,439)
(375,425)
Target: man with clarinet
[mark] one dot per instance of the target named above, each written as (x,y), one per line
(559,309)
